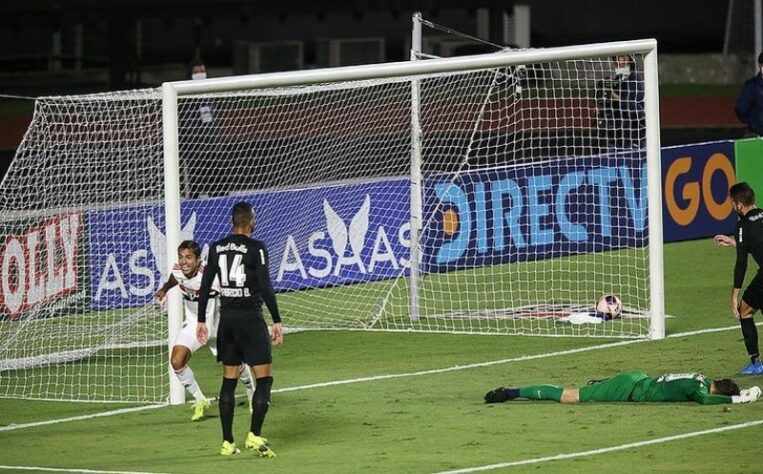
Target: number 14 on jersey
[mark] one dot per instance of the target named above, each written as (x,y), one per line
(235,273)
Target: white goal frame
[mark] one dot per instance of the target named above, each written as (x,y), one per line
(648,47)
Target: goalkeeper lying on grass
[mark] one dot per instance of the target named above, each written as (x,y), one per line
(636,387)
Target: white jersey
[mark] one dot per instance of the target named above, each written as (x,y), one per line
(190,289)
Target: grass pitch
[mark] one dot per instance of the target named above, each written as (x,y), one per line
(413,403)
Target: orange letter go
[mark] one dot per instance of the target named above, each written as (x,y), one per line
(691,190)
(717,162)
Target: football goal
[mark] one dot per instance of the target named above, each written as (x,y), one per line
(486,194)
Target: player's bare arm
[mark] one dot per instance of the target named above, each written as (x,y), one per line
(171,283)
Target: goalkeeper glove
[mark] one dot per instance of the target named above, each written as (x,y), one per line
(749,395)
(753,392)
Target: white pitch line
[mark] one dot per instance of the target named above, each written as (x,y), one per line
(610,449)
(80,417)
(375,378)
(707,331)
(60,469)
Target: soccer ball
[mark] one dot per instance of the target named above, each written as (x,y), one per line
(610,305)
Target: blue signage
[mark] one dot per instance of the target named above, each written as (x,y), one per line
(696,181)
(350,233)
(524,213)
(316,237)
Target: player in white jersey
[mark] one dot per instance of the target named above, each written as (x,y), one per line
(187,275)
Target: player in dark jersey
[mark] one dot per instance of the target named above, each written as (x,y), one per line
(241,265)
(636,387)
(748,240)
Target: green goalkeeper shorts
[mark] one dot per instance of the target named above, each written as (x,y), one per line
(614,389)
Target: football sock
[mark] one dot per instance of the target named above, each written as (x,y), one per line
(261,403)
(186,377)
(750,334)
(512,393)
(246,378)
(541,392)
(227,402)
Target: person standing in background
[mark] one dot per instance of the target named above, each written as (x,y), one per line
(749,107)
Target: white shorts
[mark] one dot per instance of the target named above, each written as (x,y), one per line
(187,335)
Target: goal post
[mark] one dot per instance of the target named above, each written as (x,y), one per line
(588,63)
(654,186)
(172,226)
(416,197)
(407,68)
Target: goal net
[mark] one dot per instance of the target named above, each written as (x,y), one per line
(493,194)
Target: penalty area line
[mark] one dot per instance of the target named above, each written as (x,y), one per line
(610,449)
(61,469)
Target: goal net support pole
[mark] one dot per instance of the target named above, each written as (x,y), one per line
(417,209)
(172,219)
(654,187)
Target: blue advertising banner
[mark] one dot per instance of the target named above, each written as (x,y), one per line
(125,255)
(342,234)
(349,233)
(578,205)
(696,181)
(316,237)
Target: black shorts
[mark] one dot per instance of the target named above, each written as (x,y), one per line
(243,337)
(753,295)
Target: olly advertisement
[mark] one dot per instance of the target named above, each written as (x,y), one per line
(315,237)
(40,267)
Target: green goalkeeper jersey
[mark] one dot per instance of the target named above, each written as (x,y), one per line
(677,388)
